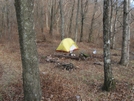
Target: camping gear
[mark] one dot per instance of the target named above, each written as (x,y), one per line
(94,52)
(67,45)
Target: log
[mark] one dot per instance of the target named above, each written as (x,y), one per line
(67,56)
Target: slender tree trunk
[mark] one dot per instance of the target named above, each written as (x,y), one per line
(51,17)
(71,19)
(31,79)
(37,15)
(82,21)
(109,82)
(2,23)
(42,19)
(47,18)
(126,34)
(7,20)
(111,20)
(114,27)
(62,19)
(90,37)
(8,27)
(83,12)
(76,27)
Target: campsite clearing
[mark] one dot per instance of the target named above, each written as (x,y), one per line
(60,84)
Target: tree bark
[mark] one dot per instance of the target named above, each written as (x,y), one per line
(25,20)
(76,27)
(126,34)
(71,18)
(111,20)
(109,82)
(52,18)
(2,22)
(42,19)
(90,37)
(83,12)
(114,26)
(62,19)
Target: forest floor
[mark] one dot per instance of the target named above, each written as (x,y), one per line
(58,84)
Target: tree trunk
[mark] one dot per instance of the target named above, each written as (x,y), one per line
(114,27)
(111,20)
(126,34)
(71,19)
(42,20)
(90,37)
(76,27)
(82,21)
(46,14)
(31,79)
(52,18)
(62,19)
(2,23)
(109,83)
(83,12)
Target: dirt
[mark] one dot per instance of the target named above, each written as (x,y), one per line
(60,84)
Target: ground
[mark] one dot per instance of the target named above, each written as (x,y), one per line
(84,81)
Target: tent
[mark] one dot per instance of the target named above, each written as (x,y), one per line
(67,45)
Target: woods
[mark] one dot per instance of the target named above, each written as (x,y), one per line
(34,28)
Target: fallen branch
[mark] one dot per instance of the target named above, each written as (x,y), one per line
(81,56)
(67,56)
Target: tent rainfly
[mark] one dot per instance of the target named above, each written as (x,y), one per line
(67,45)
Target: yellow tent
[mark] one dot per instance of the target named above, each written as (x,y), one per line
(67,45)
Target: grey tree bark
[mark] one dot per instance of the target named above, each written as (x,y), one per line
(31,78)
(111,20)
(90,37)
(51,18)
(109,82)
(126,34)
(42,22)
(62,19)
(83,13)
(82,21)
(114,26)
(46,14)
(2,22)
(7,20)
(76,27)
(71,19)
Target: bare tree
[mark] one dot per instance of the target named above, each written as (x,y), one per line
(111,19)
(2,21)
(51,18)
(126,33)
(71,18)
(62,19)
(109,82)
(76,27)
(92,22)
(114,29)
(31,79)
(42,16)
(83,13)
(47,14)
